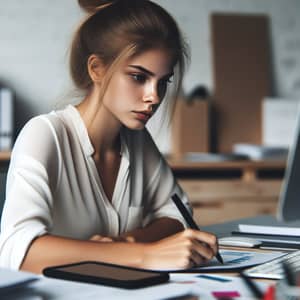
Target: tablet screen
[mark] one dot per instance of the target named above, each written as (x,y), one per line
(109,271)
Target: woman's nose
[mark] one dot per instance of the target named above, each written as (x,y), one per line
(152,95)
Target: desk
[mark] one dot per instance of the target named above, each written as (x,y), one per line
(46,288)
(179,285)
(55,289)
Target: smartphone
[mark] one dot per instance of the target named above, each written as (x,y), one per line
(107,274)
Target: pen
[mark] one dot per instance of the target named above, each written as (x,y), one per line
(188,218)
(252,286)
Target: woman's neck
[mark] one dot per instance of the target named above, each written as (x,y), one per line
(103,128)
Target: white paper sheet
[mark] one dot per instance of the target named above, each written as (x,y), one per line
(10,279)
(235,260)
(204,285)
(271,230)
(180,284)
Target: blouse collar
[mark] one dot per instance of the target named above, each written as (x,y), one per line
(84,137)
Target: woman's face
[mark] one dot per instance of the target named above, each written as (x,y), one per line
(138,86)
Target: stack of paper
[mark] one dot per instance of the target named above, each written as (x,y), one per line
(10,280)
(270,230)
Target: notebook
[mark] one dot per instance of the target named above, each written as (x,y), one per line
(10,280)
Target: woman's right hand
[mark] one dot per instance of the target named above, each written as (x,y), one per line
(182,250)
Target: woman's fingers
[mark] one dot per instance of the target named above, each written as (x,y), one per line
(186,249)
(100,238)
(203,250)
(207,241)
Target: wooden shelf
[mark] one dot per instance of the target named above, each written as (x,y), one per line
(5,156)
(227,190)
(249,169)
(184,164)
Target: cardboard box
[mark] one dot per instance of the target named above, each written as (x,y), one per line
(241,77)
(190,127)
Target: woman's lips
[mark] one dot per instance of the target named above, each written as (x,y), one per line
(143,116)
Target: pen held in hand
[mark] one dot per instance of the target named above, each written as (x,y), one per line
(188,218)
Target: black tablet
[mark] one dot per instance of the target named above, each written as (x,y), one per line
(107,274)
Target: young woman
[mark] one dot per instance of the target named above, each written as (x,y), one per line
(87,182)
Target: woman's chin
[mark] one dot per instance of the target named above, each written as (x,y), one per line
(135,125)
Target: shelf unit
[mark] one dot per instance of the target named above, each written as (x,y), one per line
(4,156)
(228,190)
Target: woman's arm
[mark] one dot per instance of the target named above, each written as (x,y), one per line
(156,230)
(50,250)
(68,250)
(181,250)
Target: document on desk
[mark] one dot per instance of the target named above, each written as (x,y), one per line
(9,279)
(234,260)
(212,286)
(270,230)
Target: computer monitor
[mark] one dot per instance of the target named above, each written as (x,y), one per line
(289,199)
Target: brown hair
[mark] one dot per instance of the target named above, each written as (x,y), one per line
(117,30)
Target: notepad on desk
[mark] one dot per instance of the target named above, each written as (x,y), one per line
(272,237)
(10,280)
(269,230)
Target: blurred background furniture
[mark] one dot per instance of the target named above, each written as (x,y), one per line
(4,161)
(224,191)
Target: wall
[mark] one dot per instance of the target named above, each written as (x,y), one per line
(193,16)
(35,35)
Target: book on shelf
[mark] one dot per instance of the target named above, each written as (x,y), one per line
(6,119)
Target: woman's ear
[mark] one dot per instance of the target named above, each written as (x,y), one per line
(95,68)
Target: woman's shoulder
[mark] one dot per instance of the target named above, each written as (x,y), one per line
(45,124)
(41,130)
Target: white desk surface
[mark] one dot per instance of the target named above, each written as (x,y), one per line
(55,289)
(179,285)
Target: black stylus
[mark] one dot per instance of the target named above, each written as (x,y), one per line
(188,218)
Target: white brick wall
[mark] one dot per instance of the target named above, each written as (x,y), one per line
(35,35)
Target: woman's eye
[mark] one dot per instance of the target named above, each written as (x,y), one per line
(170,79)
(140,78)
(164,82)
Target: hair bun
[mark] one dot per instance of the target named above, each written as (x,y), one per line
(92,6)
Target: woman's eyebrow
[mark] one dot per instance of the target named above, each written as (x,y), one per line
(140,68)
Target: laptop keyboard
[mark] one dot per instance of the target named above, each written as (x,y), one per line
(273,269)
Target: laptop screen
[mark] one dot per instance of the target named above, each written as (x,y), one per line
(289,200)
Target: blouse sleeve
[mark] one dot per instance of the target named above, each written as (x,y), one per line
(160,186)
(29,188)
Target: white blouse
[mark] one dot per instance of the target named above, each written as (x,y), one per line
(53,186)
